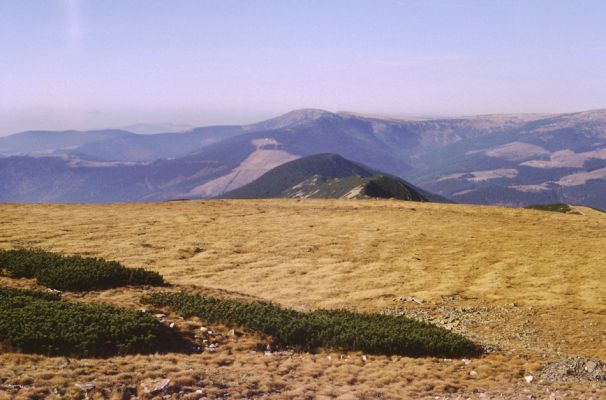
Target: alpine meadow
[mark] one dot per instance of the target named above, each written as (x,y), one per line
(350,200)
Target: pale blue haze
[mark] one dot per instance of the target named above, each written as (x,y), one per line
(86,64)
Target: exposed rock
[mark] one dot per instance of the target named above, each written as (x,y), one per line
(85,387)
(577,368)
(411,300)
(151,386)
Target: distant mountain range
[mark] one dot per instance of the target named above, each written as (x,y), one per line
(497,159)
(328,176)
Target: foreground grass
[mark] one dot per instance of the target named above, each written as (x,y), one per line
(341,330)
(39,322)
(73,273)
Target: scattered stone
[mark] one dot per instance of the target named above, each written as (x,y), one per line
(529,378)
(577,368)
(364,357)
(590,366)
(160,315)
(85,387)
(172,325)
(411,299)
(151,386)
(473,374)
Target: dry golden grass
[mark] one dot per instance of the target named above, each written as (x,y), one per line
(337,253)
(359,255)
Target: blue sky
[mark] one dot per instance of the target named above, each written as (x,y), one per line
(98,63)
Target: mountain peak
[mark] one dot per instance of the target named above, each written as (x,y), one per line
(293,118)
(326,175)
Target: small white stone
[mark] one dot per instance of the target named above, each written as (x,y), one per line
(529,378)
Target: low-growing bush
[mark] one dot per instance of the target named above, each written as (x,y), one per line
(562,208)
(39,294)
(39,322)
(341,330)
(74,273)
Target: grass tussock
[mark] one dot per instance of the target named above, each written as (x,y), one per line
(340,330)
(39,322)
(74,273)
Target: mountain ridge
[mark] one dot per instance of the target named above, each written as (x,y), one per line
(510,160)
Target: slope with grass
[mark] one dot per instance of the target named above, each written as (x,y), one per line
(527,285)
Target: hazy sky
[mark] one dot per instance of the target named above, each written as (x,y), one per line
(99,63)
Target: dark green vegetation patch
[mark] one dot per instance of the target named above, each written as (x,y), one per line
(329,176)
(73,273)
(340,330)
(559,207)
(39,322)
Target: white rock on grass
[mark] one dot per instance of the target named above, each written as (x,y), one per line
(151,386)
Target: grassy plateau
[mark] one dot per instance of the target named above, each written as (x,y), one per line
(526,285)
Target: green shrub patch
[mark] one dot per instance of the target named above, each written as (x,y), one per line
(73,273)
(38,294)
(340,330)
(561,208)
(39,322)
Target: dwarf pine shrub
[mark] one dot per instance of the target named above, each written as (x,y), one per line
(340,330)
(73,273)
(39,322)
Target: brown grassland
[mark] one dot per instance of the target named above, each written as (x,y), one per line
(528,285)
